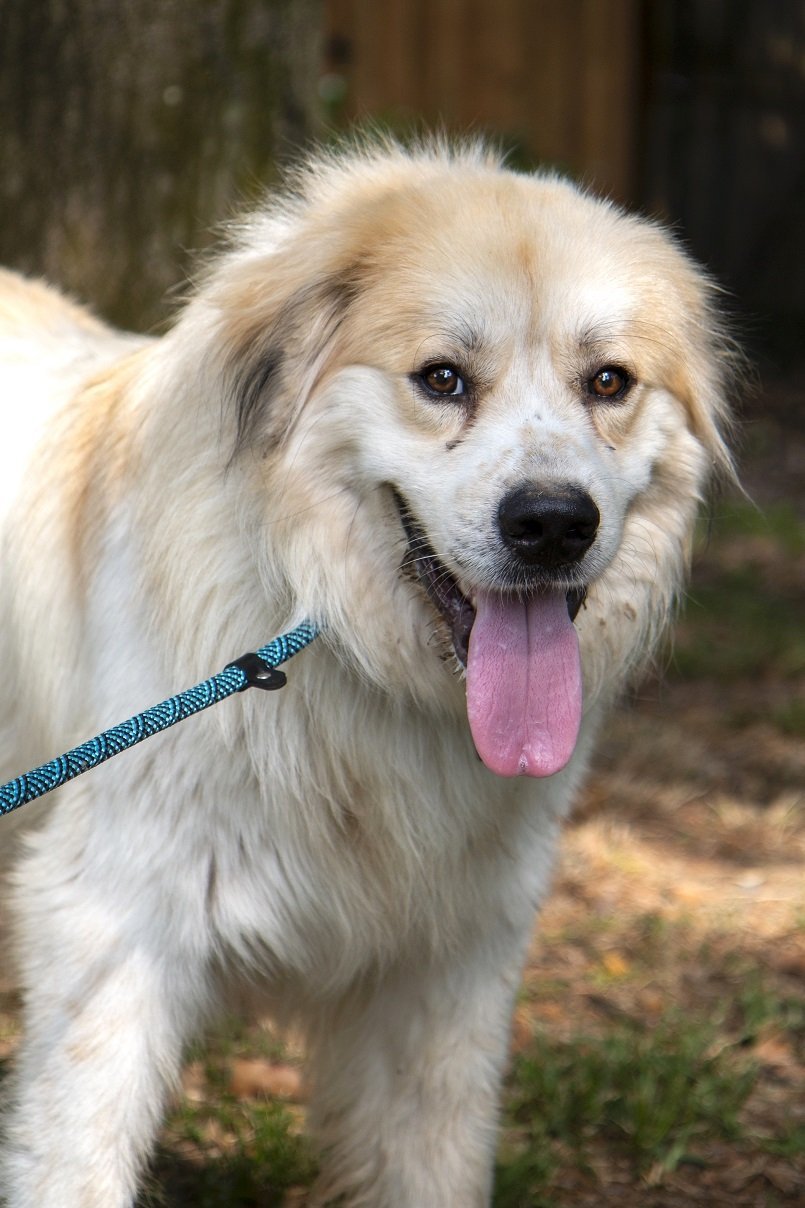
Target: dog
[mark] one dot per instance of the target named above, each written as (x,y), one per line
(461,418)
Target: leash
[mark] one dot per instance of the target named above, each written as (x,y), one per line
(257,669)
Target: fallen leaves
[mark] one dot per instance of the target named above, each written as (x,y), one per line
(250,1078)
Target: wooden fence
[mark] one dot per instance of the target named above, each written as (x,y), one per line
(558,78)
(722,149)
(694,111)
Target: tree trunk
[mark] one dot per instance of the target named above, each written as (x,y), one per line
(129,129)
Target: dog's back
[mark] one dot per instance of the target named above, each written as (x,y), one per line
(48,346)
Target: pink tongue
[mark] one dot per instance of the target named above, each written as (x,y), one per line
(524,684)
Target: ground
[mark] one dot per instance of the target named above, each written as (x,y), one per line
(658,1054)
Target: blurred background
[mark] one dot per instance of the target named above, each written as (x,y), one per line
(130,127)
(659,1045)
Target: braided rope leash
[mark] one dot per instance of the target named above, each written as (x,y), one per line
(254,670)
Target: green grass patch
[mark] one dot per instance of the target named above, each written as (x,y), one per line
(778,524)
(648,1095)
(788,1144)
(790,716)
(735,628)
(760,1008)
(742,618)
(225,1151)
(242,1154)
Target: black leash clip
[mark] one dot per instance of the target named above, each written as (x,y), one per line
(258,673)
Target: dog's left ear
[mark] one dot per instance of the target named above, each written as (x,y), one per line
(707,372)
(705,385)
(277,331)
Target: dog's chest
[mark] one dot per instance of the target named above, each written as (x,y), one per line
(341,882)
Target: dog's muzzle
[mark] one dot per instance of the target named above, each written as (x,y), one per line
(516,638)
(543,533)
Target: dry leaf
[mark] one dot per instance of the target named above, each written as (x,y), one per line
(250,1078)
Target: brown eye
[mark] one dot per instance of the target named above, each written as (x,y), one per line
(611,382)
(443,379)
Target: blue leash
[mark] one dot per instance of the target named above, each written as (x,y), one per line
(254,670)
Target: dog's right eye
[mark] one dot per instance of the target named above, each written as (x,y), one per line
(443,380)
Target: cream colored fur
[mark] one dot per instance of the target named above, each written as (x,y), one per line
(335,849)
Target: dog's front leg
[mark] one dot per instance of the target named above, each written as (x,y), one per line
(106,1012)
(407,1078)
(89,1089)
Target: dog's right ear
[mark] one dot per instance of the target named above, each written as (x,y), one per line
(276,335)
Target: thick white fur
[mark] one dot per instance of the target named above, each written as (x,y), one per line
(335,849)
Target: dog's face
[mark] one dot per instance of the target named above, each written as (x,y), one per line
(502,380)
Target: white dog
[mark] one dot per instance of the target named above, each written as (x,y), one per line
(459,417)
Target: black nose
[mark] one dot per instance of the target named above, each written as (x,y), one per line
(549,528)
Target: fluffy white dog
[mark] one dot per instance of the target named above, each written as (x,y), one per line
(461,418)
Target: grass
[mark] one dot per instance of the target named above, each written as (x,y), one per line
(744,616)
(777,523)
(648,1095)
(264,1159)
(228,1152)
(222,1146)
(761,1009)
(653,1096)
(734,628)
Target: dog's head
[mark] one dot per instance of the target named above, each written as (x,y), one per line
(478,409)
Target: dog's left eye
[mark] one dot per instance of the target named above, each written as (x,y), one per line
(443,380)
(611,382)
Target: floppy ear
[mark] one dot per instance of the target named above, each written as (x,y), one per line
(688,340)
(277,328)
(706,380)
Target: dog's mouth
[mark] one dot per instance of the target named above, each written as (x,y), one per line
(441,587)
(521,655)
